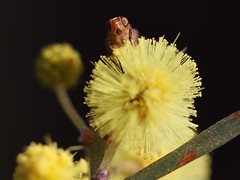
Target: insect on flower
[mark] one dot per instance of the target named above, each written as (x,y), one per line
(118,31)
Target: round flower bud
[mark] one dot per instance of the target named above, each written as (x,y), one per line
(59,63)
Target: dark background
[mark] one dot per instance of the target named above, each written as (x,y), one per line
(28,111)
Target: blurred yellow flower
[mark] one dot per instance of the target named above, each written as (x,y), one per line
(59,63)
(143,96)
(47,162)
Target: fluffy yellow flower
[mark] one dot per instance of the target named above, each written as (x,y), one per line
(143,96)
(59,63)
(47,162)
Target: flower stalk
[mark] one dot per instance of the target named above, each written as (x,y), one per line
(205,142)
(68,107)
(109,154)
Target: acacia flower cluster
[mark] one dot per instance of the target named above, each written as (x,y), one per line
(59,63)
(48,162)
(143,96)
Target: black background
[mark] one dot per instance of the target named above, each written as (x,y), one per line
(28,111)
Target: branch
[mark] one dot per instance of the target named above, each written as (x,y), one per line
(210,139)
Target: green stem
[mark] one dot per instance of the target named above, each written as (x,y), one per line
(68,107)
(108,156)
(210,139)
(93,144)
(102,171)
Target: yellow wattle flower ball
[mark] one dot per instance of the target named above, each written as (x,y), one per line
(59,63)
(48,162)
(143,96)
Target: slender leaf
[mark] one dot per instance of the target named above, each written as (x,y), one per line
(205,142)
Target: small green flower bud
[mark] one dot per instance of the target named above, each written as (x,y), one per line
(58,63)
